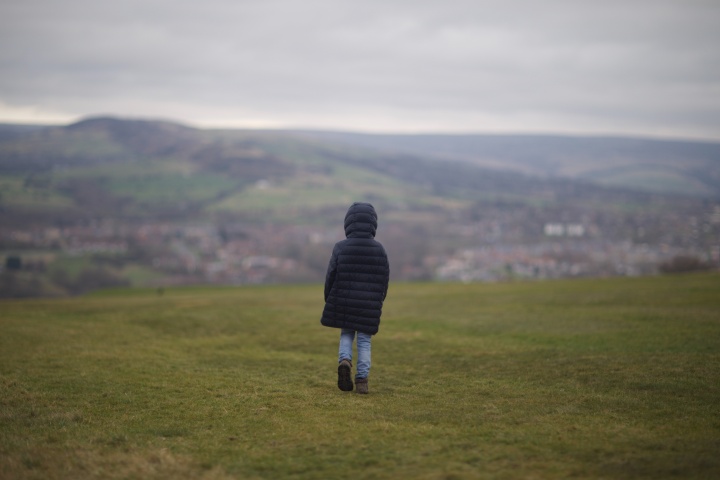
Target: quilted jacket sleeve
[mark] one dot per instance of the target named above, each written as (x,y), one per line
(387,275)
(331,271)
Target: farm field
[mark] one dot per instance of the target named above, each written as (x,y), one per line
(607,378)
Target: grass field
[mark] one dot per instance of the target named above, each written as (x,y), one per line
(563,379)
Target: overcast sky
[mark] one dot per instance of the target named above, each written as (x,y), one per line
(631,67)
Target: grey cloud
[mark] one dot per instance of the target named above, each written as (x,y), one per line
(642,66)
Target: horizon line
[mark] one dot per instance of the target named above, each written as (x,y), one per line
(303,129)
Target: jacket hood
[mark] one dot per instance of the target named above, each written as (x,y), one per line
(360,221)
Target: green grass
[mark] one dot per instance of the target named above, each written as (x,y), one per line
(155,182)
(14,193)
(587,379)
(71,265)
(286,199)
(139,275)
(165,188)
(305,192)
(68,144)
(125,171)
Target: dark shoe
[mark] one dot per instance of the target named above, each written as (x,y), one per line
(344,376)
(362,385)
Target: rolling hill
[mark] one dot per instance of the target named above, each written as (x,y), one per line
(140,169)
(663,166)
(107,201)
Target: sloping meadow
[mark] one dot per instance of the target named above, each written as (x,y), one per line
(592,378)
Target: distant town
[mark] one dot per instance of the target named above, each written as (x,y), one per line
(497,248)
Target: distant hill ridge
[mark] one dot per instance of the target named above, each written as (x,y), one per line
(665,166)
(662,166)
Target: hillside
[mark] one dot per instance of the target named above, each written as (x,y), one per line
(135,169)
(592,379)
(109,201)
(662,166)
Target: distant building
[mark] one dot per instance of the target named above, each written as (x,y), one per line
(554,229)
(574,230)
(562,230)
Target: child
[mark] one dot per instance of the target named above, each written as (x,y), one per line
(355,288)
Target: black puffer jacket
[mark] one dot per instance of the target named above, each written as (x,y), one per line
(357,278)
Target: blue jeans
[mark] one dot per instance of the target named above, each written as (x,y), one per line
(363,350)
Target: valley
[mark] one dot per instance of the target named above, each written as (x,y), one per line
(110,202)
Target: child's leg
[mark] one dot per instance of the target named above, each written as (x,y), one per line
(346,343)
(345,382)
(363,360)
